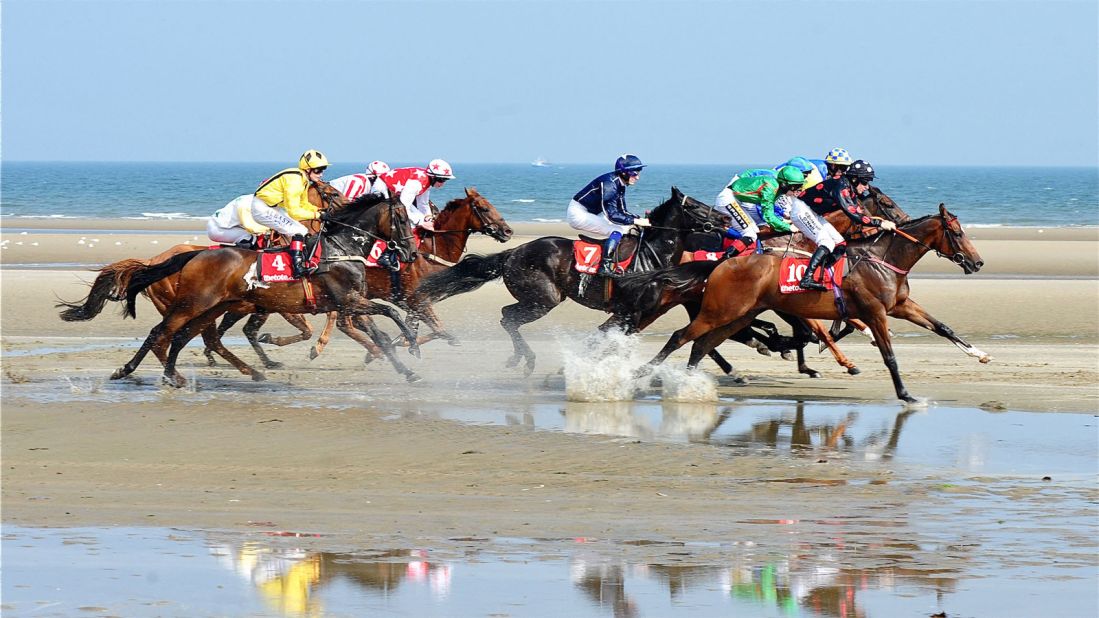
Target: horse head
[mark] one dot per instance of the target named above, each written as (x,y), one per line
(685,214)
(954,244)
(482,216)
(325,196)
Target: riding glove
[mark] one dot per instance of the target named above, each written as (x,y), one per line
(642,222)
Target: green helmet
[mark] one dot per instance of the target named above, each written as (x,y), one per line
(791,176)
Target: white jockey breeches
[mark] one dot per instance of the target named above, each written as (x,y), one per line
(745,217)
(814,226)
(596,226)
(227,235)
(276,219)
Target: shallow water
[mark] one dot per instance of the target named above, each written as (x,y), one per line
(155,572)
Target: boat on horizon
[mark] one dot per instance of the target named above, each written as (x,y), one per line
(540,162)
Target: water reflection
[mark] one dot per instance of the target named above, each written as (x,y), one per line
(694,422)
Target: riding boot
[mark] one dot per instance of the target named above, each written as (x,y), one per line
(807,282)
(607,268)
(297,266)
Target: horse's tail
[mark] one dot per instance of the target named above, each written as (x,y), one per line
(641,292)
(465,276)
(145,276)
(109,285)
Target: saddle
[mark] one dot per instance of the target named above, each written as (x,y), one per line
(588,253)
(273,265)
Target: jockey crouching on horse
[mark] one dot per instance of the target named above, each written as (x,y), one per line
(354,186)
(279,204)
(751,202)
(599,209)
(847,180)
(413,185)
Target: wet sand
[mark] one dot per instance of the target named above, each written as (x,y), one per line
(330,447)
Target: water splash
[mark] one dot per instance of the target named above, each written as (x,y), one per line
(682,384)
(600,367)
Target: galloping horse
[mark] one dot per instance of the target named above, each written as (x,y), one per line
(875,287)
(437,251)
(637,316)
(209,283)
(108,286)
(540,274)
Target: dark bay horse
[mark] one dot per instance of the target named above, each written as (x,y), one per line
(540,274)
(875,287)
(437,251)
(209,283)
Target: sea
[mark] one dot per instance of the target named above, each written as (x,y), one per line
(980,196)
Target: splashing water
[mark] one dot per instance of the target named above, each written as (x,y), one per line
(682,384)
(600,367)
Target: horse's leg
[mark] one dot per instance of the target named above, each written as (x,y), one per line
(227,322)
(382,342)
(326,334)
(708,341)
(879,325)
(354,327)
(251,333)
(515,316)
(368,307)
(912,311)
(298,321)
(822,333)
(154,338)
(184,335)
(726,367)
(212,338)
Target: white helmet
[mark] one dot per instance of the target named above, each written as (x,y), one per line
(377,168)
(440,169)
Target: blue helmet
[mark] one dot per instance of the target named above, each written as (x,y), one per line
(805,165)
(628,163)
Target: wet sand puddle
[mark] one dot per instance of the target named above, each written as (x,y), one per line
(155,572)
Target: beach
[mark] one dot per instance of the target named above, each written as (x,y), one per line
(378,461)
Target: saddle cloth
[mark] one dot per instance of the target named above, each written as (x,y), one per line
(588,255)
(792,269)
(273,265)
(380,246)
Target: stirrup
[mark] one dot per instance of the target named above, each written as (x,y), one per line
(608,269)
(807,283)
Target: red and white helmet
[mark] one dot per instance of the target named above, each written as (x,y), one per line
(377,168)
(440,169)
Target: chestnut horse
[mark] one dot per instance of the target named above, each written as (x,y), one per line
(875,287)
(209,283)
(438,250)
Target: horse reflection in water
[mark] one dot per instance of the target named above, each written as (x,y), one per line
(287,578)
(695,422)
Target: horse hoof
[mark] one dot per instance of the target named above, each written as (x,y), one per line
(265,338)
(984,360)
(273,365)
(414,350)
(369,358)
(528,370)
(513,361)
(854,371)
(789,356)
(258,377)
(455,342)
(413,377)
(176,382)
(119,374)
(314,353)
(210,362)
(739,380)
(813,373)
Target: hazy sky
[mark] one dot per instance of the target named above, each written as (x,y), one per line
(961,82)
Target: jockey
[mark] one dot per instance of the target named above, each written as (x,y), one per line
(283,200)
(413,185)
(233,223)
(751,202)
(355,185)
(836,193)
(599,209)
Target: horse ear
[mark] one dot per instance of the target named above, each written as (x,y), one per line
(942,209)
(676,193)
(468,194)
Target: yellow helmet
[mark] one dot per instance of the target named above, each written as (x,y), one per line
(312,159)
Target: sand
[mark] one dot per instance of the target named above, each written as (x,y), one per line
(228,453)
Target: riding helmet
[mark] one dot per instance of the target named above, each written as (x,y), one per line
(791,176)
(440,169)
(312,159)
(838,156)
(860,170)
(628,163)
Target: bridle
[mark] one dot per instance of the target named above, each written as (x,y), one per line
(953,240)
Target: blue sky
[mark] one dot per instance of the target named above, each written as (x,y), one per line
(956,83)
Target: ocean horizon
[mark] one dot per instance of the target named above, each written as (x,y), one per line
(980,196)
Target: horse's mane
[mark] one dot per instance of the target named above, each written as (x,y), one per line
(355,207)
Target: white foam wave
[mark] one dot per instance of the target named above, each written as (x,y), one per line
(168,215)
(523,201)
(541,220)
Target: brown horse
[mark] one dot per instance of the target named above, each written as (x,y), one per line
(108,286)
(210,283)
(760,335)
(875,287)
(438,250)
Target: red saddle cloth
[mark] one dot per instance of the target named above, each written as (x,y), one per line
(379,248)
(275,266)
(792,269)
(712,256)
(589,254)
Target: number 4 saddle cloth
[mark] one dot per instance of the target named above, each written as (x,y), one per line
(792,269)
(273,265)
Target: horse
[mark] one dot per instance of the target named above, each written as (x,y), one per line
(761,335)
(875,287)
(209,283)
(540,274)
(107,286)
(437,251)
